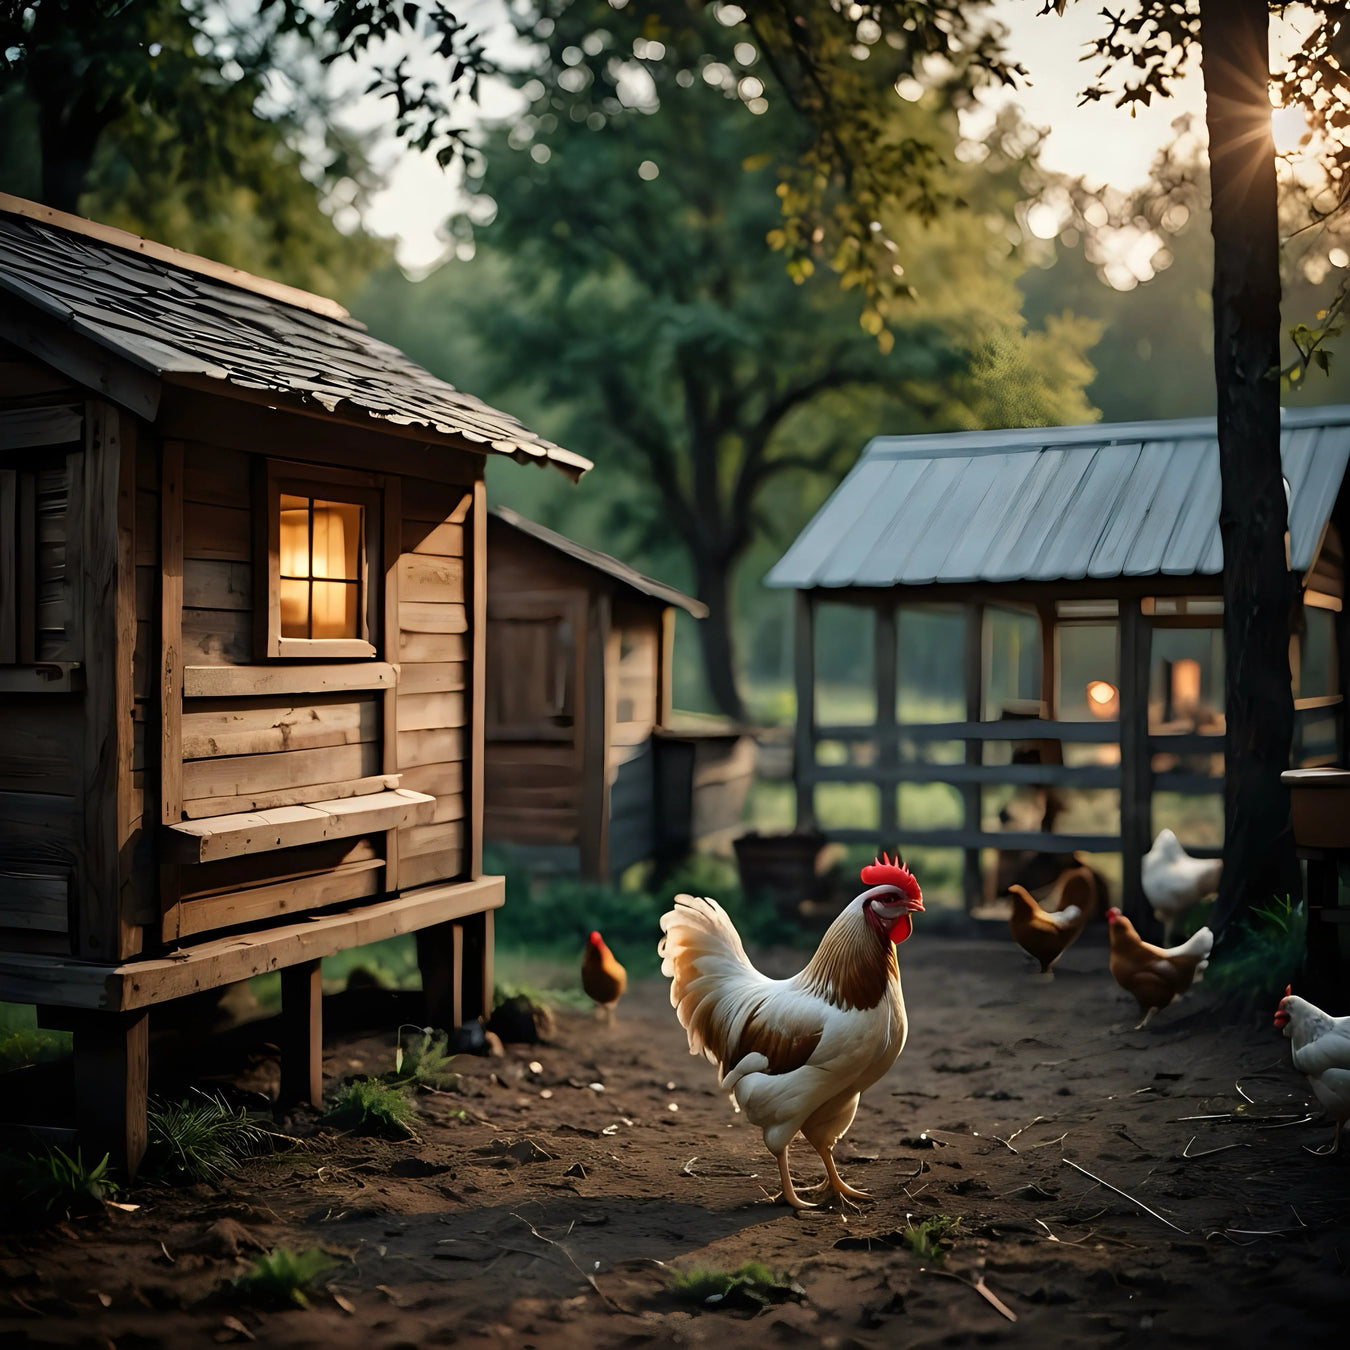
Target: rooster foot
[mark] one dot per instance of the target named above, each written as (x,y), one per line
(789,1192)
(1146,1019)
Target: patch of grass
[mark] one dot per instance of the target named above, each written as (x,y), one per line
(23,1042)
(53,1185)
(281,1276)
(202,1139)
(751,1285)
(371,1105)
(425,1060)
(1264,954)
(932,1238)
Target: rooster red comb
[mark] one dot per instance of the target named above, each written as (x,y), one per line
(884,872)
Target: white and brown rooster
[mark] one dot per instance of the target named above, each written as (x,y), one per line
(796,1054)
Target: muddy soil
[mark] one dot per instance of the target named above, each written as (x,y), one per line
(546,1203)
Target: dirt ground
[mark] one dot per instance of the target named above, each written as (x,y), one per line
(545,1204)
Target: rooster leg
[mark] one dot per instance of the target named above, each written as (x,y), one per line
(839,1185)
(1145,1020)
(789,1192)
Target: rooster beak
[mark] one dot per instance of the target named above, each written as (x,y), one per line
(892,902)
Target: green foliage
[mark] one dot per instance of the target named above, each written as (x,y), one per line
(751,1286)
(1265,954)
(23,1042)
(931,1238)
(425,1060)
(202,1139)
(55,1185)
(370,1105)
(736,397)
(281,1276)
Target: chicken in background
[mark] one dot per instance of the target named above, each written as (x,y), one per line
(796,1054)
(1046,934)
(1321,1050)
(1174,882)
(602,977)
(1156,976)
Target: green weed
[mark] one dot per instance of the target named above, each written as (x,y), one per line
(201,1140)
(373,1106)
(56,1186)
(1264,954)
(281,1276)
(931,1238)
(751,1286)
(425,1060)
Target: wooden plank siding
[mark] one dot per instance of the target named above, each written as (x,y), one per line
(432,708)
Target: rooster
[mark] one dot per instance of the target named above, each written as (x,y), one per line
(1321,1046)
(1173,881)
(796,1054)
(1156,976)
(602,977)
(1048,934)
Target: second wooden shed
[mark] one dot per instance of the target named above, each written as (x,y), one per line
(588,768)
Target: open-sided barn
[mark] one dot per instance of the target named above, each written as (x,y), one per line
(242,648)
(1097,547)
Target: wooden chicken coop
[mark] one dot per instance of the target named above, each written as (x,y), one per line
(588,768)
(1100,547)
(242,647)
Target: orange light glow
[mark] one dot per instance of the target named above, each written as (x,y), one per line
(1185,684)
(1103,698)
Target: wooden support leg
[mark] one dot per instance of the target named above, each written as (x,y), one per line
(1323,960)
(301,1035)
(478,949)
(440,957)
(112,1066)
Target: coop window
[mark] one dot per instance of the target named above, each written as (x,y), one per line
(321,560)
(37,578)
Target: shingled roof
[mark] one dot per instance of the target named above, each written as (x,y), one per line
(184,319)
(1053,503)
(601,562)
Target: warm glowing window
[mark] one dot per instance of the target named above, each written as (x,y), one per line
(320,560)
(325,568)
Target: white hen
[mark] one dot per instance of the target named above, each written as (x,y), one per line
(1321,1045)
(1173,881)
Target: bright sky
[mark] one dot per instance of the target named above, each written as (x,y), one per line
(1098,140)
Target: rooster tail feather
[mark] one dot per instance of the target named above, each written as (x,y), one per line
(709,972)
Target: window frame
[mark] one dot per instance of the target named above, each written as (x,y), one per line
(316,481)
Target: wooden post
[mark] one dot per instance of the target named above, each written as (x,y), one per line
(804,673)
(665,697)
(1136,765)
(109,604)
(301,1035)
(1049,669)
(477,957)
(1322,968)
(440,957)
(393,547)
(594,702)
(170,671)
(112,1064)
(886,661)
(478,580)
(972,884)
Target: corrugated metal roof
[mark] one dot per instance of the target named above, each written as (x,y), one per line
(1052,504)
(176,315)
(602,562)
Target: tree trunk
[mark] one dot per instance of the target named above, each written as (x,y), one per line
(1258,859)
(714,589)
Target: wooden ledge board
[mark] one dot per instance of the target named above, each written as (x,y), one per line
(215,837)
(138,984)
(247,681)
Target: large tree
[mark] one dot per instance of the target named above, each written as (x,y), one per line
(634,309)
(1150,42)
